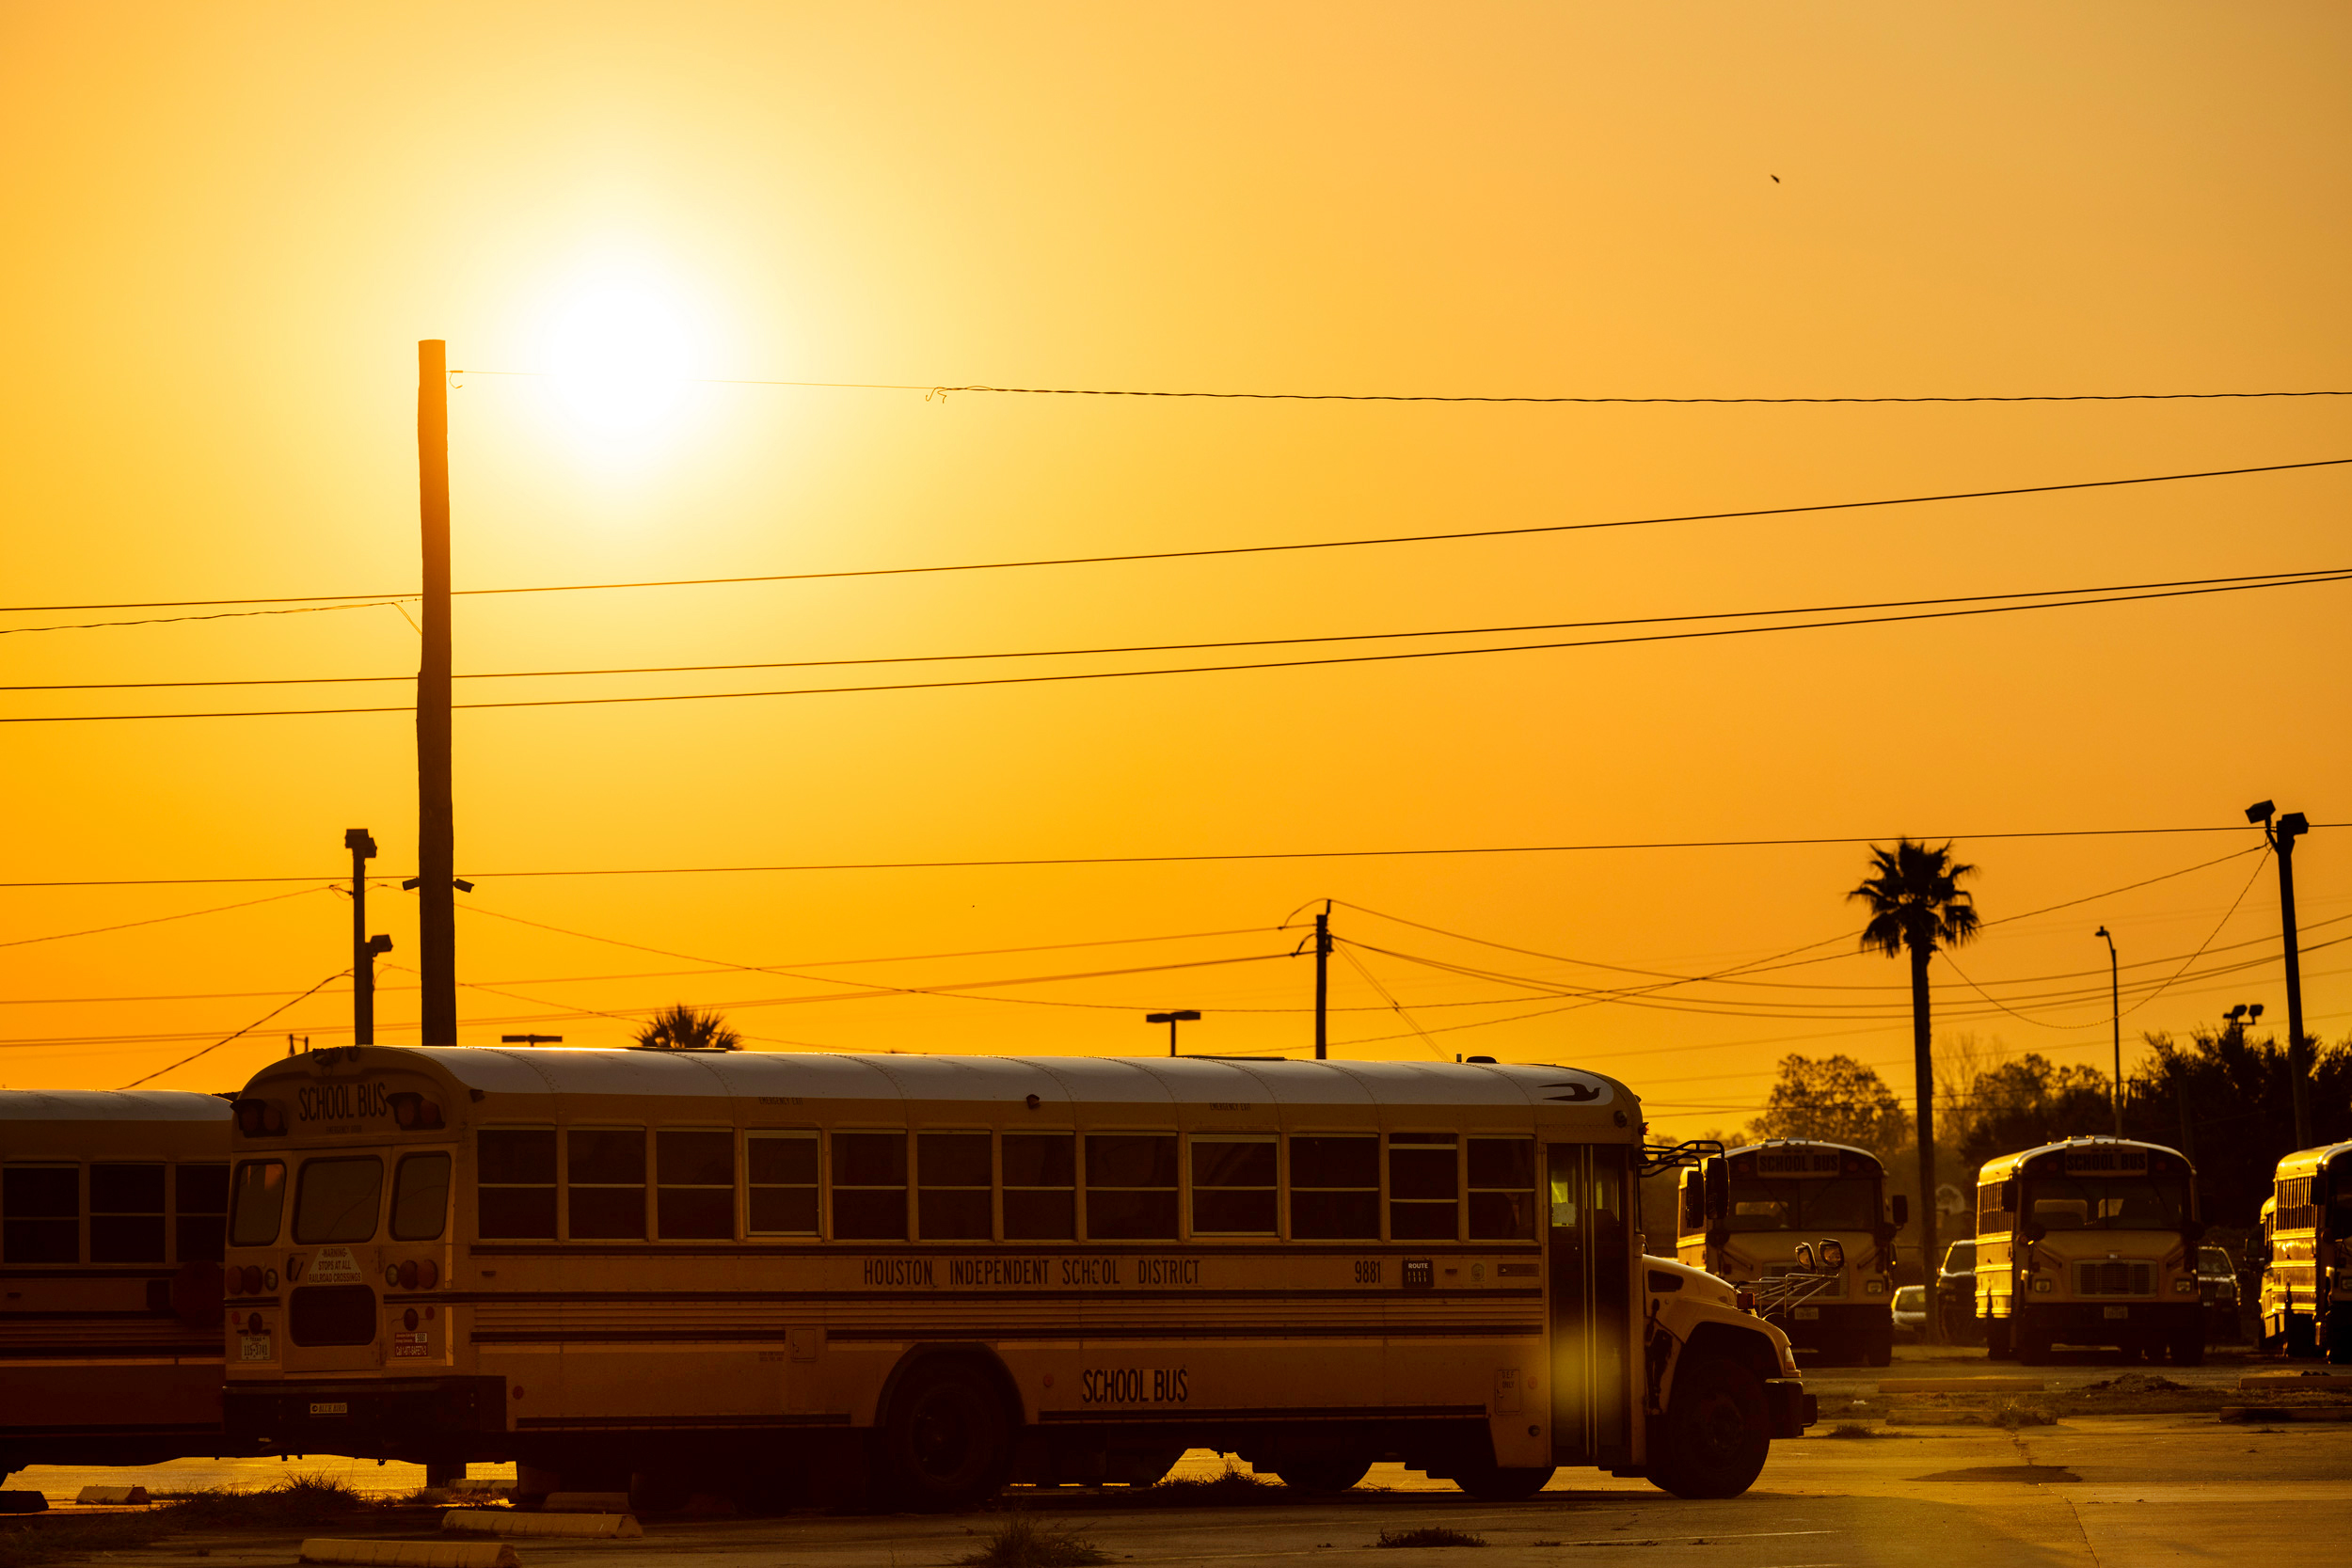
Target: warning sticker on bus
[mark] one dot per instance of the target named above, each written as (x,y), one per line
(335,1265)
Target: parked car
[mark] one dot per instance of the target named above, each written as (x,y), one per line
(2216,1286)
(1911,1312)
(1956,1295)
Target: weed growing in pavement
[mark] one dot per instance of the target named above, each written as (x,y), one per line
(1429,1535)
(1232,1485)
(1021,1542)
(2015,1414)
(299,1499)
(1853,1429)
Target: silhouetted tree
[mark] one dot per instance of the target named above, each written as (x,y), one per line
(1837,1100)
(2026,1102)
(684,1028)
(2226,1102)
(1917,905)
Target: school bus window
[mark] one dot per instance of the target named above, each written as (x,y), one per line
(869,1186)
(694,1171)
(953,1187)
(1424,1187)
(514,1183)
(782,1167)
(1131,1187)
(126,1213)
(40,1213)
(199,1213)
(421,1197)
(337,1199)
(1040,1187)
(260,1199)
(1502,1189)
(604,1180)
(1233,1186)
(1335,1188)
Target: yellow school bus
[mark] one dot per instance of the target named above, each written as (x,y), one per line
(2307,1256)
(2089,1241)
(112,1207)
(1788,1191)
(924,1277)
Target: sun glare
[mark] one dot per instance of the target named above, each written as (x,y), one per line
(621,354)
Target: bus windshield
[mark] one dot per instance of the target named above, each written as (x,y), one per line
(2106,1202)
(1799,1203)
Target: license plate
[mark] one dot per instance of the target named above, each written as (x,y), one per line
(1808,1312)
(335,1407)
(2119,1311)
(413,1350)
(253,1347)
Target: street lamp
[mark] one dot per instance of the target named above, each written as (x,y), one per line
(2114,1014)
(1189,1015)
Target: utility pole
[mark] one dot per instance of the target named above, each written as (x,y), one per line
(437,831)
(363,947)
(1323,982)
(2114,1014)
(2282,835)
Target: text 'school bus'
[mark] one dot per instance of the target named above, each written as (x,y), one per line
(938,1273)
(2306,1256)
(1783,1192)
(2089,1241)
(112,1207)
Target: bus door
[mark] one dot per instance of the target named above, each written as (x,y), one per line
(1588,1247)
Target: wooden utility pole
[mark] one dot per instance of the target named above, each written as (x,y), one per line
(2291,827)
(437,831)
(1323,982)
(363,949)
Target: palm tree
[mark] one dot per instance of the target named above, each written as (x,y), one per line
(1916,904)
(682,1028)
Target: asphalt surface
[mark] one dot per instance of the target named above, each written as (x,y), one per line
(2092,1489)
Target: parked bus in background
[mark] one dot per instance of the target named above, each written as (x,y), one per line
(2089,1241)
(111,1214)
(926,1275)
(2306,1256)
(1785,1192)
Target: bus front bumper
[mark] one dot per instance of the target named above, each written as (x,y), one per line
(1789,1407)
(419,1419)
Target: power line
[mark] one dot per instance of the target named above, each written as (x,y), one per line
(239,1034)
(2332,576)
(2252,580)
(1218,550)
(940,391)
(158,920)
(1015,864)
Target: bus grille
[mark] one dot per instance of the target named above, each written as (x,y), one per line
(2115,1279)
(331,1315)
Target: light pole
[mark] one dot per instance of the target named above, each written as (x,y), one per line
(1190,1015)
(2282,835)
(2114,1014)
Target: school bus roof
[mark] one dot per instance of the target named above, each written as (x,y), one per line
(111,1105)
(2005,1166)
(1147,1080)
(2303,1161)
(1805,1143)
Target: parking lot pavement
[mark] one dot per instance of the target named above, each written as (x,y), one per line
(2100,1491)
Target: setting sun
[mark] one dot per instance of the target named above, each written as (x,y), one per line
(620,353)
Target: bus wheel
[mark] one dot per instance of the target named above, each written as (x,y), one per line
(1490,1482)
(949,1443)
(1332,1472)
(1715,1436)
(1996,1342)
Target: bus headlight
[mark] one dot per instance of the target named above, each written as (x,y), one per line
(1874,1287)
(2041,1285)
(2185,1286)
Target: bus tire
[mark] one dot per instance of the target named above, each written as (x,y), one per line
(1329,1472)
(1716,1434)
(1490,1482)
(948,1442)
(1996,1342)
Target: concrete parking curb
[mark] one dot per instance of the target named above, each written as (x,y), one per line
(2286,1412)
(1962,1385)
(118,1495)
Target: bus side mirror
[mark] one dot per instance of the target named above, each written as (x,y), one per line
(1902,1206)
(2192,1231)
(1716,1177)
(2035,1230)
(1805,1256)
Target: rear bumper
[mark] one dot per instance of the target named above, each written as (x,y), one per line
(1789,1407)
(418,1419)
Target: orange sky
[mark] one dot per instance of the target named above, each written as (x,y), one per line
(229,224)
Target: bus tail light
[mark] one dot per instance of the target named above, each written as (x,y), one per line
(254,1283)
(233,1279)
(413,1113)
(408,1275)
(259,1118)
(428,1275)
